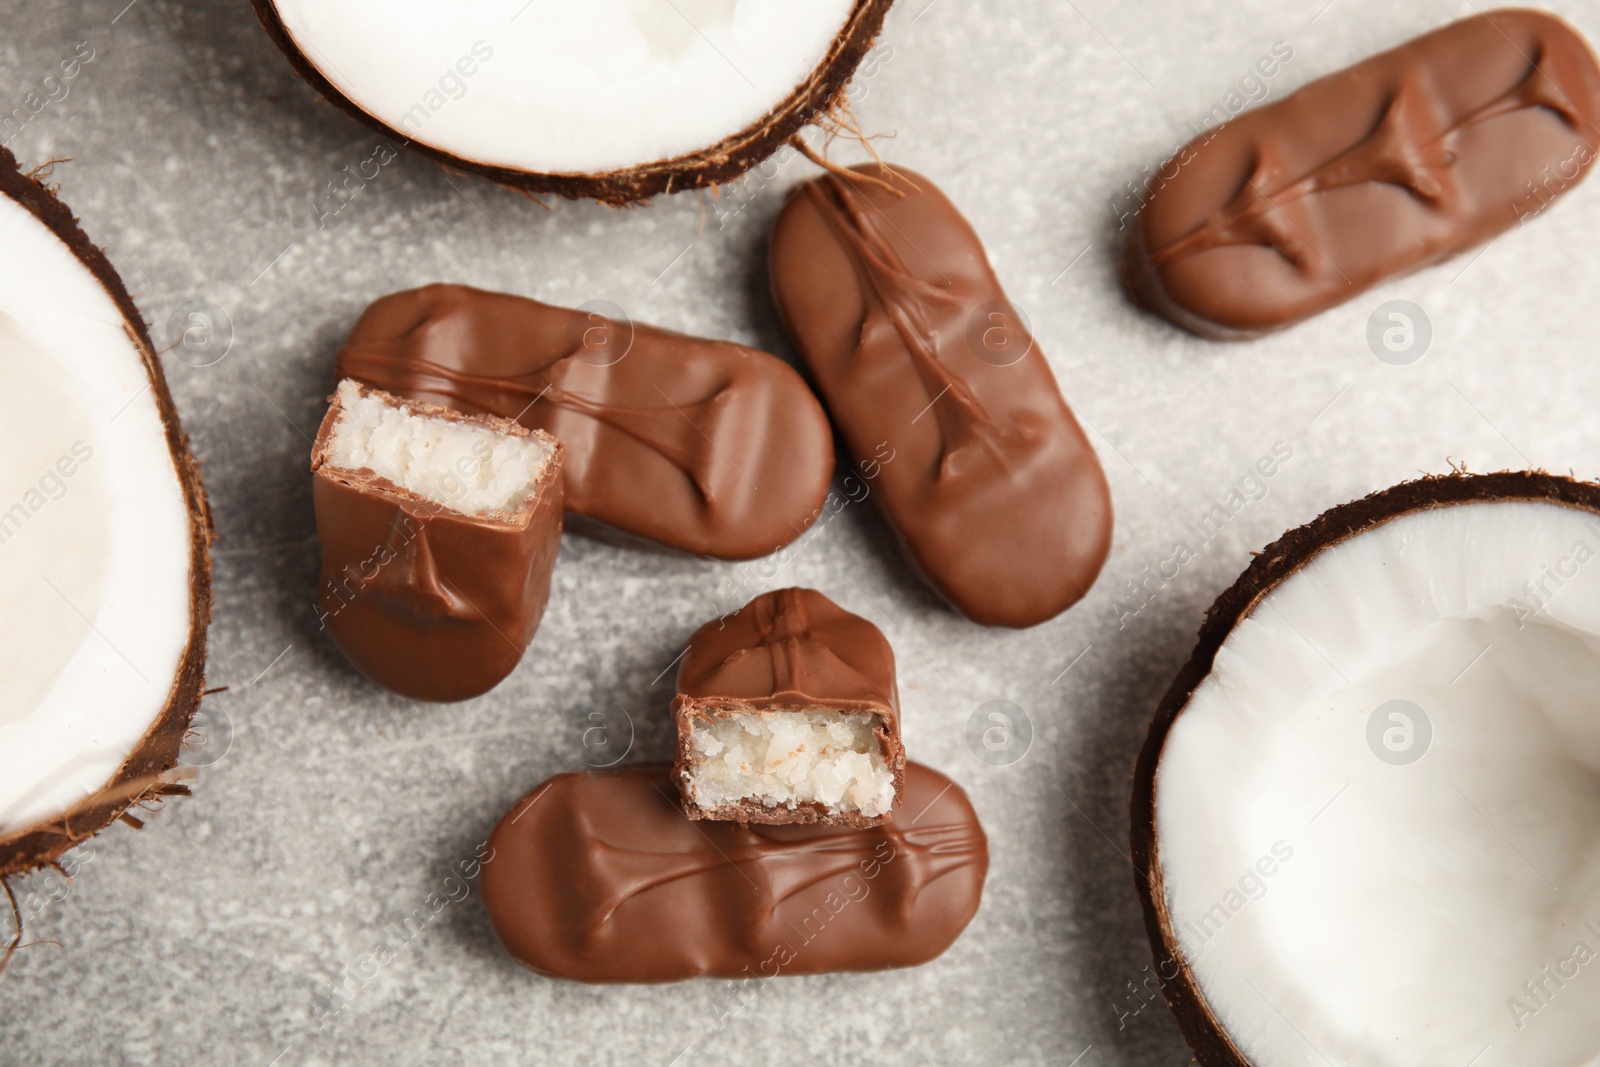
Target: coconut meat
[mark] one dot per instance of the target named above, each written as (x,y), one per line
(553,86)
(1422,891)
(787,758)
(94,533)
(468,467)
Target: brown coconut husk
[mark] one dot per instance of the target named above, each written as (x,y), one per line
(145,775)
(1212,1045)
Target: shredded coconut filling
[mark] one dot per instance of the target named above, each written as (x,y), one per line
(788,758)
(466,467)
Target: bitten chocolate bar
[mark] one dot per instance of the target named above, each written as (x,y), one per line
(599,877)
(439,532)
(706,447)
(1398,162)
(787,712)
(995,493)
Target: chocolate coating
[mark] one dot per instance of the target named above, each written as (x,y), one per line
(423,600)
(704,446)
(995,493)
(599,877)
(1393,164)
(788,650)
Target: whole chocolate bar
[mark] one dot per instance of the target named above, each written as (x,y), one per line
(599,877)
(439,532)
(1396,163)
(995,493)
(787,712)
(707,447)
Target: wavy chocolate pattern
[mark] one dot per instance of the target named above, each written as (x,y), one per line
(669,430)
(914,307)
(703,446)
(791,646)
(781,870)
(1407,149)
(1481,125)
(995,493)
(600,877)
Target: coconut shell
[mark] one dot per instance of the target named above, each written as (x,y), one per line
(722,162)
(143,775)
(1201,1028)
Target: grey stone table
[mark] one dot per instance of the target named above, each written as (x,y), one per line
(330,821)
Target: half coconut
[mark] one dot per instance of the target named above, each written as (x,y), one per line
(1367,818)
(613,99)
(104,542)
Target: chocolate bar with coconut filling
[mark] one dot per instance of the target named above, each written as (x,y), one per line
(439,532)
(706,447)
(787,712)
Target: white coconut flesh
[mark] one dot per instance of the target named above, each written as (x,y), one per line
(1338,906)
(564,87)
(94,533)
(466,466)
(788,758)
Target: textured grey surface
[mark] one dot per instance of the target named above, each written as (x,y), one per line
(220,933)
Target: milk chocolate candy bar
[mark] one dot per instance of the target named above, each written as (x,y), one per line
(600,877)
(787,712)
(706,447)
(439,532)
(1398,162)
(995,493)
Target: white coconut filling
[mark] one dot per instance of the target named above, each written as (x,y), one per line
(1355,881)
(94,533)
(467,467)
(786,758)
(561,87)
